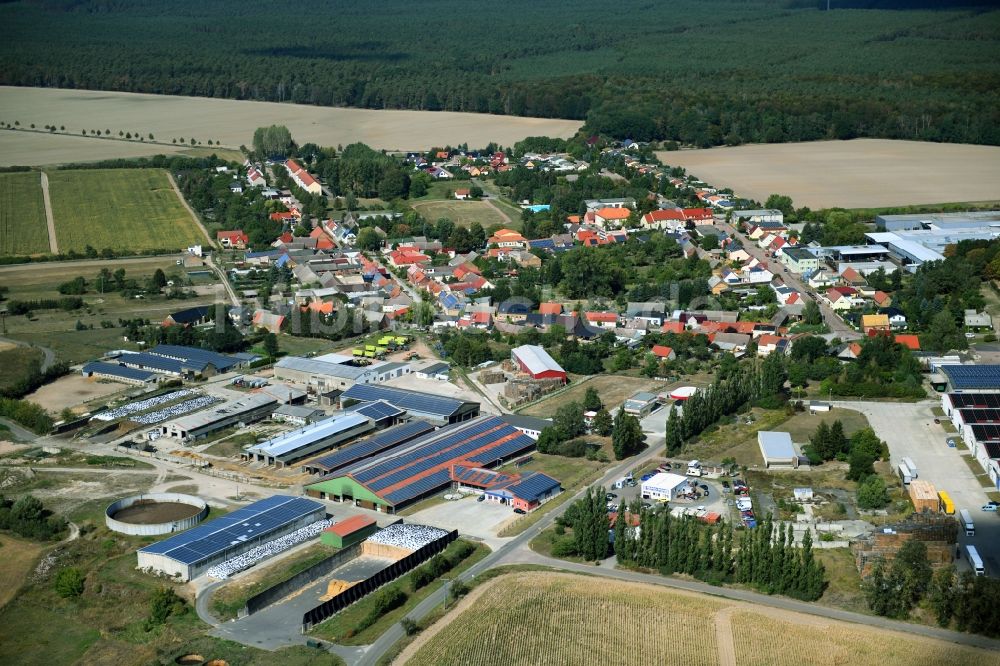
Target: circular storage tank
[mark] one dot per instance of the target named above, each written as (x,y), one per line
(155,513)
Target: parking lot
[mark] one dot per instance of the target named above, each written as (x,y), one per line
(716,501)
(469,517)
(910,431)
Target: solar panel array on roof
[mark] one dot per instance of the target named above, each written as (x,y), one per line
(195,356)
(414,401)
(973,376)
(980,416)
(445,440)
(975,400)
(250,522)
(378,410)
(533,487)
(115,370)
(505,450)
(992,449)
(986,433)
(428,484)
(386,439)
(303,437)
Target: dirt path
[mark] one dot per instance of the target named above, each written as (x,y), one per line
(410,650)
(194,216)
(724,637)
(49,219)
(499,210)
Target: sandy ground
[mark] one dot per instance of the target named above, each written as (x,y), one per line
(72,390)
(233,122)
(852,174)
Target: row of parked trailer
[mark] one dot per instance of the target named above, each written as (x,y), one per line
(907,471)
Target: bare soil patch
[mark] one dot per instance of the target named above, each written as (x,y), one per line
(71,391)
(233,122)
(861,173)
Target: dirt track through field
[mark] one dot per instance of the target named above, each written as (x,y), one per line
(49,219)
(724,637)
(187,206)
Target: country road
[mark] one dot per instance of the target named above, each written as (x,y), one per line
(49,218)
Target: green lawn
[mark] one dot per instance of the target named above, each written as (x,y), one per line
(123,209)
(16,364)
(22,214)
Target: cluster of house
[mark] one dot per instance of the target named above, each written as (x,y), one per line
(442,164)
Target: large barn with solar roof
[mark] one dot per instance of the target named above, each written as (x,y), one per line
(394,477)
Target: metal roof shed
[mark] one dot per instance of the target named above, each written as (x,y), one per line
(777,449)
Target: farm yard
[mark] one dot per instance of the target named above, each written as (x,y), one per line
(539,617)
(613,389)
(128,209)
(22,214)
(232,123)
(862,173)
(465,213)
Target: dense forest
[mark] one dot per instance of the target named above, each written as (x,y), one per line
(701,72)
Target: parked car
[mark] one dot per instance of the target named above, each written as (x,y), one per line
(610,496)
(725,484)
(520,511)
(631,483)
(951,442)
(703,486)
(989,507)
(646,477)
(481,498)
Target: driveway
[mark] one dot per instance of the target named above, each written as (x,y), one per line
(909,430)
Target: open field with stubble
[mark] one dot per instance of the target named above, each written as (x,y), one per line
(232,122)
(541,617)
(464,213)
(22,214)
(862,173)
(123,209)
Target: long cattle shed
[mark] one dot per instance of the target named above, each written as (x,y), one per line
(411,471)
(369,446)
(189,554)
(299,444)
(437,409)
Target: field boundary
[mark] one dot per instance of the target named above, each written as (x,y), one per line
(49,218)
(184,202)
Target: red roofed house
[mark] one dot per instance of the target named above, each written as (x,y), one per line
(664,219)
(910,341)
(400,258)
(508,238)
(882,299)
(673,327)
(303,178)
(290,217)
(463,194)
(550,308)
(767,343)
(255,178)
(323,241)
(699,215)
(233,240)
(602,319)
(662,351)
(268,321)
(615,217)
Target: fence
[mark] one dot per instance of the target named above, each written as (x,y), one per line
(393,571)
(275,593)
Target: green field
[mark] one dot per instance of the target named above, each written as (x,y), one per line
(16,363)
(122,209)
(22,214)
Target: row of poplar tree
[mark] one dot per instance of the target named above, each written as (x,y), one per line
(764,558)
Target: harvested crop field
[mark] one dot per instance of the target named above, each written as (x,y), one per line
(43,149)
(861,173)
(613,390)
(233,122)
(540,617)
(122,209)
(22,213)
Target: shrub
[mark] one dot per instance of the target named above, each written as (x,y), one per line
(69,582)
(383,601)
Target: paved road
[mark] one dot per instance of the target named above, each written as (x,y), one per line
(910,431)
(19,431)
(48,356)
(833,321)
(49,218)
